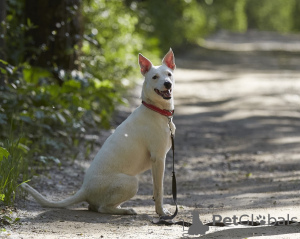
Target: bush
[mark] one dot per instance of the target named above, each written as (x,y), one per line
(55,115)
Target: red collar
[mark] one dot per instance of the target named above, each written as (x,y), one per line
(168,113)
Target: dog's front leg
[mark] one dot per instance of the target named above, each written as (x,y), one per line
(158,168)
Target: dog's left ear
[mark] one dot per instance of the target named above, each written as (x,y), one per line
(169,60)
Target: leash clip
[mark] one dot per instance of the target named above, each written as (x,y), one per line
(169,124)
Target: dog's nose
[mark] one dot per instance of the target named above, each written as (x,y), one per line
(168,85)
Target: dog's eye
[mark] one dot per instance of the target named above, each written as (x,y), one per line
(154,77)
(169,74)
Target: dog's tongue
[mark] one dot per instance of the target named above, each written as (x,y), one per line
(167,93)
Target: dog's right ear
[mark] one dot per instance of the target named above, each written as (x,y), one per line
(145,64)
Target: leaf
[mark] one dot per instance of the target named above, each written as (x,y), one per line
(45,126)
(61,118)
(29,23)
(39,114)
(96,118)
(3,118)
(63,133)
(24,182)
(101,84)
(7,218)
(67,112)
(2,70)
(33,74)
(3,62)
(26,119)
(3,153)
(23,147)
(2,196)
(9,69)
(43,159)
(72,83)
(55,160)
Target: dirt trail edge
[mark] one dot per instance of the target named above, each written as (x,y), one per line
(237,151)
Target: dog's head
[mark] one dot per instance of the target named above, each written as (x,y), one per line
(159,80)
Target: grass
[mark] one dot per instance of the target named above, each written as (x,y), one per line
(13,170)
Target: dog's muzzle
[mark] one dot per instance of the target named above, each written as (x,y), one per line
(166,94)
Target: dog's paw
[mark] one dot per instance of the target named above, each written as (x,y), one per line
(130,211)
(163,212)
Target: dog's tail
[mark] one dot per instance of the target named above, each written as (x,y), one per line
(76,198)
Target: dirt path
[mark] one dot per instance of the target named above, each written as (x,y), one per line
(237,152)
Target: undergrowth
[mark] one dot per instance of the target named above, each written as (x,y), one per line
(13,170)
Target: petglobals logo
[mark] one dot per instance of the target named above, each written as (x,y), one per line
(198,228)
(252,220)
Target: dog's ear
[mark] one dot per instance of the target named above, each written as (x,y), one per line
(169,60)
(145,64)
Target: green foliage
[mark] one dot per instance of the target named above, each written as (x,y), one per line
(13,168)
(55,117)
(225,14)
(272,15)
(170,23)
(16,26)
(241,15)
(194,22)
(110,43)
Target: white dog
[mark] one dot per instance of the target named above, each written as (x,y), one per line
(138,144)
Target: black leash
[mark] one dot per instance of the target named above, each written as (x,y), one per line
(168,220)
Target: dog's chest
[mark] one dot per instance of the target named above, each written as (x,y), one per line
(161,133)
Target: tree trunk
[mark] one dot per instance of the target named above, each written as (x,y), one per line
(2,34)
(57,33)
(2,29)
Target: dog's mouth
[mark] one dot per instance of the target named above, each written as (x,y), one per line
(166,94)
